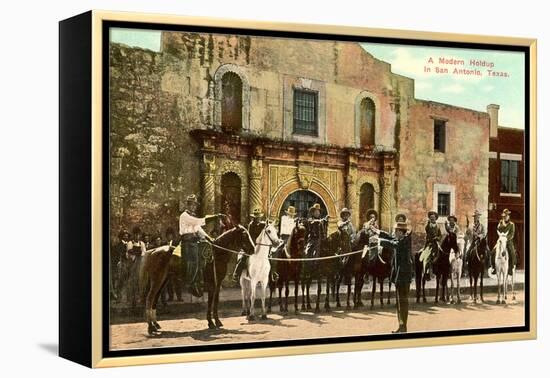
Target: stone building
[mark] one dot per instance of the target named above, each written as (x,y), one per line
(257,122)
(507,178)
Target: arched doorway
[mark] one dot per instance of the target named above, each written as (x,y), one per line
(366,201)
(231,196)
(366,122)
(302,200)
(232,102)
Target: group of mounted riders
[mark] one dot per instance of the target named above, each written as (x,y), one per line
(363,246)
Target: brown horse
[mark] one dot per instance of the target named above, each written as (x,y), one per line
(287,271)
(476,260)
(234,239)
(442,266)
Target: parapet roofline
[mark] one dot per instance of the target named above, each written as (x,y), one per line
(430,102)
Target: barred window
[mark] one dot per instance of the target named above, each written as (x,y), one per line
(444,203)
(305,112)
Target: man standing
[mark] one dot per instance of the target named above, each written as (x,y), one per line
(402,269)
(345,224)
(135,249)
(255,228)
(288,222)
(316,231)
(191,233)
(119,265)
(506,226)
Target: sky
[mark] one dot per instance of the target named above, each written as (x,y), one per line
(469,91)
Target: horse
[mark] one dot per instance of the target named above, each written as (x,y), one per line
(455,261)
(287,271)
(379,268)
(215,270)
(502,261)
(337,243)
(442,266)
(476,261)
(258,268)
(153,276)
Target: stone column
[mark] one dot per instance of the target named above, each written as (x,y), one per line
(385,205)
(208,191)
(351,189)
(255,181)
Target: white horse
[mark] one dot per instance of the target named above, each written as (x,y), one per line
(258,270)
(455,259)
(502,260)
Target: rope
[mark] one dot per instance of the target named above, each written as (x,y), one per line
(289,259)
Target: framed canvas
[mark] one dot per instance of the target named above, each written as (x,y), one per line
(235,189)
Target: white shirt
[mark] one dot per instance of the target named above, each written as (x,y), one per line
(190,224)
(287,225)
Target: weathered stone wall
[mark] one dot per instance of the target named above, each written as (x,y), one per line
(464,165)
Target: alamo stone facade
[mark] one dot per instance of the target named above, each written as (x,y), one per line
(257,122)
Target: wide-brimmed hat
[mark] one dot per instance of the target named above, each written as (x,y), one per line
(123,233)
(370,212)
(257,213)
(431,212)
(345,210)
(192,199)
(136,230)
(401,226)
(476,213)
(452,217)
(400,216)
(505,212)
(315,206)
(291,211)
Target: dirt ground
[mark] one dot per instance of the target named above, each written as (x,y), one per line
(193,330)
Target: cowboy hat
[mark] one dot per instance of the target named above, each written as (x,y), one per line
(192,199)
(370,212)
(345,210)
(431,212)
(123,233)
(400,216)
(453,217)
(257,213)
(315,206)
(401,226)
(476,213)
(136,230)
(505,212)
(290,211)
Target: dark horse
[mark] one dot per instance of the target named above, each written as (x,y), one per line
(234,239)
(357,266)
(287,271)
(337,243)
(442,266)
(476,260)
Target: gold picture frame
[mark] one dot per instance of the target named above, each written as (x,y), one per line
(82,101)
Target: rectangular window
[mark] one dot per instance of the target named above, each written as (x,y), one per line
(305,113)
(444,203)
(439,135)
(509,176)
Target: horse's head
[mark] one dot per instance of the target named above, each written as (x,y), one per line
(242,239)
(269,236)
(461,243)
(501,246)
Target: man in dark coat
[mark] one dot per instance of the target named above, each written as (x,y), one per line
(118,264)
(506,226)
(402,269)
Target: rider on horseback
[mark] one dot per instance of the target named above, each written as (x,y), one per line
(345,224)
(192,234)
(506,226)
(433,236)
(478,234)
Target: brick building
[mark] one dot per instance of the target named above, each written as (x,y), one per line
(506,177)
(254,122)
